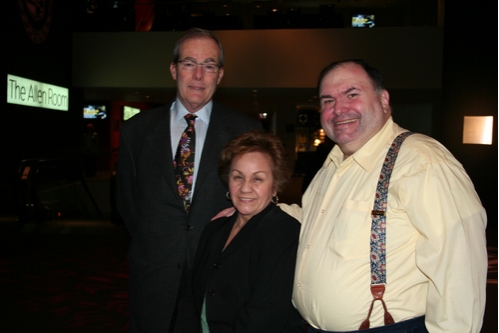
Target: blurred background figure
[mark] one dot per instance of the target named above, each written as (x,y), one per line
(316,162)
(90,150)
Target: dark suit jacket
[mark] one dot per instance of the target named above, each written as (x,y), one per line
(248,285)
(163,237)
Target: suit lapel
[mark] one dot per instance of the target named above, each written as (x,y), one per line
(243,238)
(160,141)
(215,141)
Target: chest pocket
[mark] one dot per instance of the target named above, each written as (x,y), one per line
(349,238)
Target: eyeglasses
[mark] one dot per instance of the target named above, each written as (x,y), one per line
(190,65)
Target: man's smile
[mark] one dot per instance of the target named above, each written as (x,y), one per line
(345,121)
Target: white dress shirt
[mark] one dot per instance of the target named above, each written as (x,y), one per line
(178,126)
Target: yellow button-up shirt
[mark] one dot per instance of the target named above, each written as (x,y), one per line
(436,249)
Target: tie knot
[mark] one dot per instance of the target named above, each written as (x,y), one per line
(190,118)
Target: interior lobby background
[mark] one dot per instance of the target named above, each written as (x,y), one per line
(468,87)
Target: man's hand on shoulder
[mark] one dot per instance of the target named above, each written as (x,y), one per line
(225,213)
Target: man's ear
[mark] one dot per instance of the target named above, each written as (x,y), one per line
(173,70)
(220,75)
(385,101)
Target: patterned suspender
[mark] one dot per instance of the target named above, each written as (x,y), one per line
(378,231)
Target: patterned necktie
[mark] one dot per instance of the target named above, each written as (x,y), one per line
(184,161)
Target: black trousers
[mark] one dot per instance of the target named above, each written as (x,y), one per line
(415,325)
(186,318)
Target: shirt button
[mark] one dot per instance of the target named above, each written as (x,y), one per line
(322,211)
(188,227)
(211,292)
(217,265)
(308,246)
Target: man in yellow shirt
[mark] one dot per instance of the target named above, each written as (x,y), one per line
(436,258)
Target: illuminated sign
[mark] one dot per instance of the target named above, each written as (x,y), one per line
(363,21)
(27,92)
(129,112)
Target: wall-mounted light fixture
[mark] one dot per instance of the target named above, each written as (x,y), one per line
(478,130)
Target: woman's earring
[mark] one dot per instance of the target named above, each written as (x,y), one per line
(227,195)
(275,199)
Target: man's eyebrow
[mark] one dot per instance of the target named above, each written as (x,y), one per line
(349,90)
(208,60)
(346,92)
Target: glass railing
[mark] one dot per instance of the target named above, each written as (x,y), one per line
(53,188)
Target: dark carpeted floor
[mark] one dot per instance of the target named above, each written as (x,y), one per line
(72,276)
(63,276)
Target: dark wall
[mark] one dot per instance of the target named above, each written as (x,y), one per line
(470,89)
(30,132)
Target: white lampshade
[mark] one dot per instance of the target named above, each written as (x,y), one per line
(478,130)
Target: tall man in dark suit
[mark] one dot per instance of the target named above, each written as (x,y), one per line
(165,227)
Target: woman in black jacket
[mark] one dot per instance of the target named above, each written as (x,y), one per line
(244,268)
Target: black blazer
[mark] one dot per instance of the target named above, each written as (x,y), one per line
(248,285)
(163,237)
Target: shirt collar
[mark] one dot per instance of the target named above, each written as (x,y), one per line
(367,156)
(179,112)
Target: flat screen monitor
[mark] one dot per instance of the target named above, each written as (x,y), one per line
(94,111)
(363,21)
(129,112)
